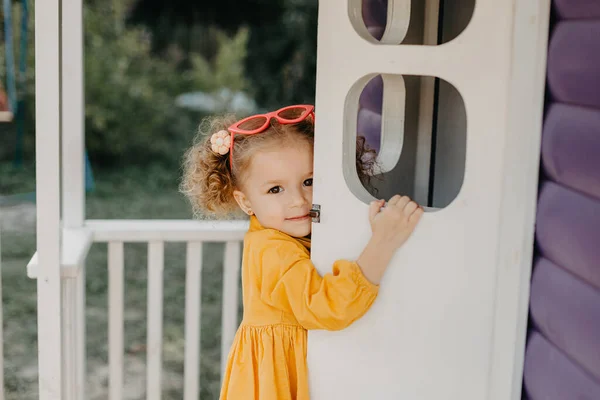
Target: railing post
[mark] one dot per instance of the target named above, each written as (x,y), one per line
(231,275)
(115,320)
(80,331)
(193,304)
(69,337)
(73,191)
(73,335)
(154,347)
(1,321)
(47,94)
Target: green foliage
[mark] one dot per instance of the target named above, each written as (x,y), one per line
(131,116)
(129,105)
(282,55)
(282,42)
(227,67)
(130,111)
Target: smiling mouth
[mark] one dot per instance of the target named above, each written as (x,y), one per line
(301,218)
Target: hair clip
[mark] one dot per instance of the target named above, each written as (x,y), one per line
(221,142)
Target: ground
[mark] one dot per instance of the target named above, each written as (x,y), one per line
(138,194)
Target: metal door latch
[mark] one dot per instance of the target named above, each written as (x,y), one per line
(315,213)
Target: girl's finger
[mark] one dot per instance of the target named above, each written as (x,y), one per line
(374,208)
(394,200)
(410,208)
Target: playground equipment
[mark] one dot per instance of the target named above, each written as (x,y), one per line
(12,103)
(451,320)
(9,104)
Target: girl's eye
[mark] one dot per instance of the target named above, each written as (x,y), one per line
(275,189)
(308,182)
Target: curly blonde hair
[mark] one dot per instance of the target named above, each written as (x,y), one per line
(209,181)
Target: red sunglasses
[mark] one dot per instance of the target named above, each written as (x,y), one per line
(260,122)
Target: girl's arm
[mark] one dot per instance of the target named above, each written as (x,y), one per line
(291,283)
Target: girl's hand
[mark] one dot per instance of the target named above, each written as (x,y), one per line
(393,225)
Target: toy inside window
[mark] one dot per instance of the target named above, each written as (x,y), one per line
(415,130)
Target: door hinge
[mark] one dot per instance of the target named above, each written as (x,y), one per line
(315,213)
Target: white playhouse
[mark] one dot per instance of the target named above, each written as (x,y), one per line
(461,123)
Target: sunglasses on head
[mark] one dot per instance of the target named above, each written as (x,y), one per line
(260,122)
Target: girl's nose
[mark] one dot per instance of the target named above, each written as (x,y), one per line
(299,199)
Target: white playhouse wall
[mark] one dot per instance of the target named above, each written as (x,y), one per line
(451,317)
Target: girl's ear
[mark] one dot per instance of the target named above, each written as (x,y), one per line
(243,201)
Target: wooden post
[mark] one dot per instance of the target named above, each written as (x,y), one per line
(73,192)
(73,121)
(47,91)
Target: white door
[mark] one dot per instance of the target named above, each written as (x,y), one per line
(450,319)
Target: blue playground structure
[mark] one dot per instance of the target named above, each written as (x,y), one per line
(12,103)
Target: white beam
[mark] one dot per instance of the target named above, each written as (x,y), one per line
(47,89)
(166,230)
(73,133)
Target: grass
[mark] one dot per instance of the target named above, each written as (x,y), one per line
(149,193)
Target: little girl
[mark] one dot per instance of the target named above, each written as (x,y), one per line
(263,165)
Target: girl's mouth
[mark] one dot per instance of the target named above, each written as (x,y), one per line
(301,218)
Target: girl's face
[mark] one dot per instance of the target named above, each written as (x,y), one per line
(277,188)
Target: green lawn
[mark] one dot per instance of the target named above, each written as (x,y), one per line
(143,193)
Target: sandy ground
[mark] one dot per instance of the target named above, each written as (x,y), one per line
(18,218)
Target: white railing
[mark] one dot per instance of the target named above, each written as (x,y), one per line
(75,245)
(64,236)
(1,326)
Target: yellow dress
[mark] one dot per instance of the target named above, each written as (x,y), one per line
(283,296)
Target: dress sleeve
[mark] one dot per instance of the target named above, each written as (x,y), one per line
(291,283)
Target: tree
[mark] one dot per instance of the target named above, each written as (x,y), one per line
(281,54)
